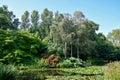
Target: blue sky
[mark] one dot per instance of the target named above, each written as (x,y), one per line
(104,12)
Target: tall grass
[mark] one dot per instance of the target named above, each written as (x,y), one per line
(112,71)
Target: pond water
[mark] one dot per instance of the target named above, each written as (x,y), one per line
(44,74)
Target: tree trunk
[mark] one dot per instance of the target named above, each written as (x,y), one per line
(71,50)
(65,50)
(78,49)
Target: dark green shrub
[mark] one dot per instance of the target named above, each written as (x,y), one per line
(7,72)
(95,61)
(115,55)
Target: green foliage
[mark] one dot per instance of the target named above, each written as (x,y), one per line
(42,63)
(95,61)
(71,63)
(34,21)
(55,48)
(65,64)
(18,46)
(38,63)
(7,19)
(4,21)
(115,54)
(114,37)
(7,72)
(25,20)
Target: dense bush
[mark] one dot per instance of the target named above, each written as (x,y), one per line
(115,54)
(95,61)
(18,46)
(7,72)
(71,63)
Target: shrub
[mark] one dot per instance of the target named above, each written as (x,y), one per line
(42,63)
(7,72)
(53,60)
(71,63)
(95,61)
(65,64)
(18,46)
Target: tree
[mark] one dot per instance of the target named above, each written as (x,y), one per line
(34,21)
(4,22)
(13,21)
(104,48)
(78,17)
(25,21)
(114,37)
(44,28)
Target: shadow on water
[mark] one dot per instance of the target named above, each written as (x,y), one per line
(41,74)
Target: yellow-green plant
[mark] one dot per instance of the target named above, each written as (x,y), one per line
(112,71)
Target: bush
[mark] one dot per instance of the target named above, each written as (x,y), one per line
(65,64)
(95,61)
(42,63)
(18,46)
(7,72)
(53,60)
(71,63)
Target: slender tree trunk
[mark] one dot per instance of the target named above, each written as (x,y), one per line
(78,49)
(65,50)
(71,50)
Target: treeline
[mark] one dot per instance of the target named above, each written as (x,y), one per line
(57,33)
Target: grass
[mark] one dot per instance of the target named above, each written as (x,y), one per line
(112,71)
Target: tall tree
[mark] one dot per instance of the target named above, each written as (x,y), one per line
(25,21)
(47,17)
(13,21)
(35,21)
